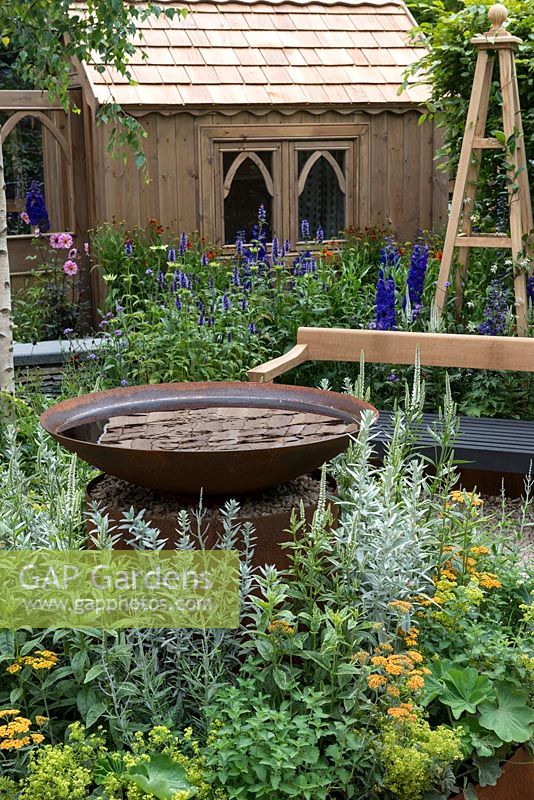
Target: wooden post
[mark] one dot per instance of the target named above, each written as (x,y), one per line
(459,228)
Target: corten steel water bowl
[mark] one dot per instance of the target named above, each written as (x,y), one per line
(224,438)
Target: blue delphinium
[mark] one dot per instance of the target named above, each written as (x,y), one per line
(183,243)
(36,208)
(385,302)
(530,289)
(319,235)
(305,229)
(496,311)
(204,260)
(389,254)
(226,302)
(171,255)
(286,248)
(128,247)
(235,276)
(415,281)
(262,214)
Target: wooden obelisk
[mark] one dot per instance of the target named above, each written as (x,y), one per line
(497,43)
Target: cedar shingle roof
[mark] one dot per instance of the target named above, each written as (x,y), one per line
(270,53)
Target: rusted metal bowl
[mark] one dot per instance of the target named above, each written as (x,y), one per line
(224,438)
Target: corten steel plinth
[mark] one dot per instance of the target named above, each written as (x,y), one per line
(270,528)
(220,437)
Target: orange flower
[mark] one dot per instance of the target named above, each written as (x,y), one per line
(414,656)
(489,581)
(415,682)
(374,681)
(379,661)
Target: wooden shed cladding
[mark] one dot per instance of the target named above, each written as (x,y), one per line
(394,179)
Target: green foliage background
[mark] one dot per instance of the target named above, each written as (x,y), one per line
(449,67)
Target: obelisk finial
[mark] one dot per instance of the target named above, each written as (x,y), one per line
(497,15)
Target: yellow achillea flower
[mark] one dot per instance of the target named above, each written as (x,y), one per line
(374,681)
(16,733)
(9,712)
(40,720)
(41,659)
(394,691)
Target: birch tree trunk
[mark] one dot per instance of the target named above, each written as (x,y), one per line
(7,372)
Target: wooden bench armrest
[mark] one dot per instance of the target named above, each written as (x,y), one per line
(272,369)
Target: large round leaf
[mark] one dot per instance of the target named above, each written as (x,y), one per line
(510,715)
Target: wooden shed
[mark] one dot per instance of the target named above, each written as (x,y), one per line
(298,101)
(296,105)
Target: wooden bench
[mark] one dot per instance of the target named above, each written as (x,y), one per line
(498,446)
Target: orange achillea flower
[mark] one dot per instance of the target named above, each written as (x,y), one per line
(393,691)
(393,668)
(401,605)
(362,656)
(281,626)
(414,656)
(374,681)
(17,733)
(403,712)
(415,682)
(470,498)
(379,661)
(488,580)
(479,551)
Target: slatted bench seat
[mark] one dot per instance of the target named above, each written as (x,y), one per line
(504,447)
(493,445)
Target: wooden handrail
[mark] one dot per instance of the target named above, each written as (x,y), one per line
(277,366)
(399,347)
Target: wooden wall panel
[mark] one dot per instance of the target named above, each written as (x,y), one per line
(167,180)
(401,186)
